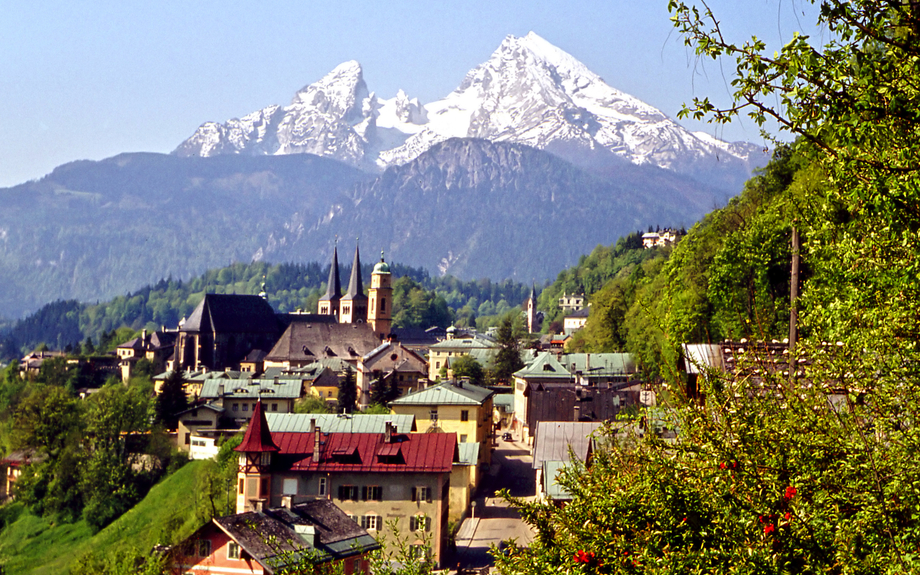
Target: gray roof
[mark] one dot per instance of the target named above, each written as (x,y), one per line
(252,389)
(338,423)
(505,399)
(272,535)
(447,393)
(555,438)
(305,341)
(465,344)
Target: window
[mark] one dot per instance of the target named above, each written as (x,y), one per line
(204,547)
(371,522)
(419,523)
(437,365)
(347,492)
(241,486)
(465,415)
(236,407)
(233,550)
(188,438)
(421,494)
(372,493)
(463,438)
(245,407)
(383,304)
(421,552)
(321,490)
(433,414)
(274,407)
(289,486)
(356,567)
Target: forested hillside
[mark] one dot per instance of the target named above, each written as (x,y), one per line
(420,301)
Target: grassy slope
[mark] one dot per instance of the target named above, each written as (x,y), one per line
(33,545)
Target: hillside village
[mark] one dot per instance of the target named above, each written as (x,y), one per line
(416,466)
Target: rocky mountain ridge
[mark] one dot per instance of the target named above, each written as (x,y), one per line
(528,92)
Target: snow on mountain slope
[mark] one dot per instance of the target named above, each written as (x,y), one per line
(528,92)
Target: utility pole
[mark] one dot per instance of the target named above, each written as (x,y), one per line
(794,293)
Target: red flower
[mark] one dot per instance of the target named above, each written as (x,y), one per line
(722,465)
(790,493)
(582,557)
(787,515)
(768,529)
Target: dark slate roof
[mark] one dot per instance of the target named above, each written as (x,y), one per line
(136,343)
(355,284)
(231,313)
(361,453)
(583,312)
(161,339)
(447,393)
(556,402)
(303,341)
(333,283)
(255,356)
(258,438)
(273,539)
(418,336)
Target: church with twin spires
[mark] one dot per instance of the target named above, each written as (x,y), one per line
(354,306)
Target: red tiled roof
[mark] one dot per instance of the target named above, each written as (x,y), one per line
(258,437)
(365,452)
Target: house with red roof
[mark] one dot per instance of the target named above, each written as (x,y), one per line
(381,480)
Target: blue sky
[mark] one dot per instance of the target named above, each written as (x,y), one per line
(88,80)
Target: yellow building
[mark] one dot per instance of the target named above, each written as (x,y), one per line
(452,407)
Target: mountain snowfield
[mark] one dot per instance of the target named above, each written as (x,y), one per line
(528,92)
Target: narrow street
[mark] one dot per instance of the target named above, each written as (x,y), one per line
(493,520)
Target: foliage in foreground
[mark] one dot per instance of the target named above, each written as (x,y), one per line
(811,468)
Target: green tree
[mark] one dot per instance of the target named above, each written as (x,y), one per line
(348,391)
(508,359)
(171,400)
(311,404)
(467,366)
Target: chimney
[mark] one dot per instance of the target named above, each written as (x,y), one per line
(286,501)
(316,442)
(388,432)
(144,337)
(577,412)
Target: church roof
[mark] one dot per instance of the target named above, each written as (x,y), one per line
(258,438)
(333,284)
(355,283)
(232,313)
(303,341)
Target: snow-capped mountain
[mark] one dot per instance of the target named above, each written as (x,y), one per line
(528,92)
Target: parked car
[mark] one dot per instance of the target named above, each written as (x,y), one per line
(507,437)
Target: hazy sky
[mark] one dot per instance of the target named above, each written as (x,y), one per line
(88,80)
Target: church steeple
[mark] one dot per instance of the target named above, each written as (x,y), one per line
(381,299)
(329,303)
(353,306)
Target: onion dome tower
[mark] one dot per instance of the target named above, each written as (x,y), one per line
(379,313)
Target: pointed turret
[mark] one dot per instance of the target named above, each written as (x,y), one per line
(530,310)
(353,306)
(329,303)
(255,463)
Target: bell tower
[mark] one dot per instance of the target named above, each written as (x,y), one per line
(329,303)
(380,308)
(253,492)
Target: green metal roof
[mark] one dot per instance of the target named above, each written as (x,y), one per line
(469,453)
(544,365)
(252,389)
(446,393)
(600,363)
(551,470)
(338,423)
